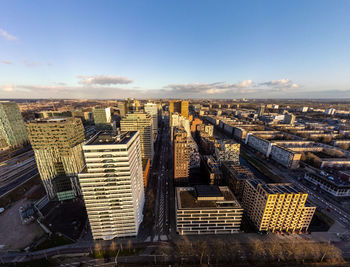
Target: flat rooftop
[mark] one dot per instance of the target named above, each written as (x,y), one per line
(102,138)
(187,198)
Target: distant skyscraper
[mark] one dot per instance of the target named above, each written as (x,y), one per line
(112,185)
(142,122)
(152,109)
(181,152)
(180,107)
(261,110)
(57,145)
(12,129)
(123,108)
(103,119)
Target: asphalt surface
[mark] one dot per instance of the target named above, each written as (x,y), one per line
(23,176)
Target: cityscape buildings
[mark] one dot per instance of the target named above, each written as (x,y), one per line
(142,122)
(57,145)
(12,129)
(181,155)
(112,184)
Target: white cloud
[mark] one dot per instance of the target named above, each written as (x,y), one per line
(103,80)
(244,84)
(7,36)
(8,87)
(5,62)
(280,84)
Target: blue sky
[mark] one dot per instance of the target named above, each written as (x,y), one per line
(230,49)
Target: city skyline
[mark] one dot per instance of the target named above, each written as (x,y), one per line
(197,49)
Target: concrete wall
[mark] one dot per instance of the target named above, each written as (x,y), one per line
(259,144)
(285,156)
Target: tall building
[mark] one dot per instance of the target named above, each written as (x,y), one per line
(12,129)
(112,184)
(276,207)
(142,122)
(205,209)
(123,108)
(180,121)
(261,110)
(181,152)
(103,119)
(227,150)
(180,107)
(57,145)
(152,109)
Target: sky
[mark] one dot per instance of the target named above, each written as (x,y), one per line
(175,49)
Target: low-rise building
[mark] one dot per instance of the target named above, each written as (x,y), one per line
(332,184)
(207,210)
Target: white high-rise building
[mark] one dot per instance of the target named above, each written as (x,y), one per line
(152,109)
(180,121)
(112,184)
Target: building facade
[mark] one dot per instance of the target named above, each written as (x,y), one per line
(207,210)
(152,109)
(181,152)
(142,122)
(227,150)
(57,145)
(112,185)
(103,119)
(13,132)
(276,207)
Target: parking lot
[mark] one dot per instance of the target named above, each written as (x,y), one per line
(13,234)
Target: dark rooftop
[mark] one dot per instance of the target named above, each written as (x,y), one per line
(187,197)
(207,191)
(105,139)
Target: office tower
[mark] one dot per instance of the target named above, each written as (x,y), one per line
(57,145)
(142,122)
(205,209)
(276,207)
(12,129)
(227,150)
(123,108)
(152,109)
(181,155)
(261,110)
(112,184)
(180,121)
(103,119)
(289,118)
(180,107)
